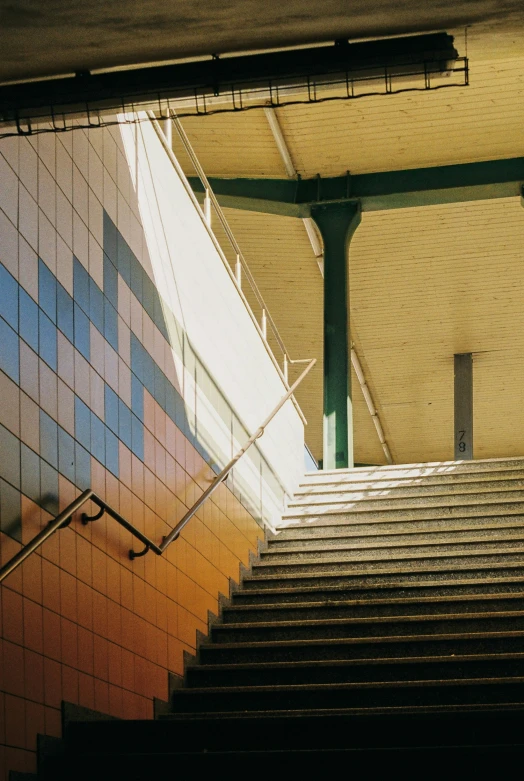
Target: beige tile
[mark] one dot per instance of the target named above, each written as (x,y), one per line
(47,152)
(148,334)
(111,367)
(28,170)
(110,196)
(97,394)
(46,241)
(46,193)
(48,390)
(123,215)
(28,217)
(80,194)
(96,261)
(10,406)
(81,152)
(66,408)
(80,240)
(136,232)
(8,191)
(64,264)
(8,245)
(159,352)
(137,316)
(64,218)
(124,382)
(96,214)
(95,177)
(64,169)
(29,372)
(66,360)
(27,268)
(124,301)
(124,341)
(29,422)
(82,378)
(110,153)
(97,350)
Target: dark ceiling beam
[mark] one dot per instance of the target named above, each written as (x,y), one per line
(375,191)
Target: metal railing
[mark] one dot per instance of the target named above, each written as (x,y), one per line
(65,517)
(241,269)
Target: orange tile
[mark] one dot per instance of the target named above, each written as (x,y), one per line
(180,448)
(115,701)
(33,626)
(53,722)
(137,476)
(128,669)
(139,602)
(86,690)
(51,548)
(175,651)
(114,622)
(34,723)
(98,478)
(149,449)
(101,666)
(15,732)
(160,425)
(99,560)
(68,596)
(31,522)
(12,616)
(34,676)
(67,493)
(52,683)
(68,539)
(69,635)
(160,499)
(50,586)
(84,552)
(52,635)
(48,390)
(114,660)
(69,684)
(124,466)
(85,650)
(29,422)
(100,614)
(170,443)
(128,629)
(113,580)
(84,605)
(101,696)
(112,492)
(140,683)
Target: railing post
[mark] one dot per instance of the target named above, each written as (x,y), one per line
(238,271)
(168,131)
(264,324)
(286,369)
(207,208)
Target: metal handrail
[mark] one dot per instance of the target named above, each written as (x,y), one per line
(65,517)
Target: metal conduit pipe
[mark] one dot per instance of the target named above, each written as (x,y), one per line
(369,402)
(292,173)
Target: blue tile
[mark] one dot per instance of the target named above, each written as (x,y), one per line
(82,468)
(82,332)
(64,315)
(96,305)
(28,328)
(136,273)
(111,409)
(160,387)
(66,455)
(47,341)
(110,282)
(137,437)
(80,285)
(180,412)
(10,511)
(148,366)
(48,439)
(110,324)
(148,297)
(124,423)
(48,488)
(110,233)
(30,474)
(82,423)
(123,258)
(137,397)
(137,351)
(8,297)
(9,352)
(170,401)
(111,453)
(9,457)
(98,439)
(47,290)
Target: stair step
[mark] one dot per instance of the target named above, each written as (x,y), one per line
(355,551)
(370,563)
(371,608)
(392,537)
(358,695)
(461,492)
(466,569)
(509,642)
(429,482)
(440,469)
(332,514)
(310,531)
(386,626)
(356,671)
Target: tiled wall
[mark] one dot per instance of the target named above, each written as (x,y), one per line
(89,397)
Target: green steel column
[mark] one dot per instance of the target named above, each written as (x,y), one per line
(337,222)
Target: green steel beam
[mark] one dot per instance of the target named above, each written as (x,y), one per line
(375,191)
(337,222)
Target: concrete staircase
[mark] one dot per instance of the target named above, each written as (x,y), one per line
(384,621)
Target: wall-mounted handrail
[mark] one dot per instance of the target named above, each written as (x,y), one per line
(64,518)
